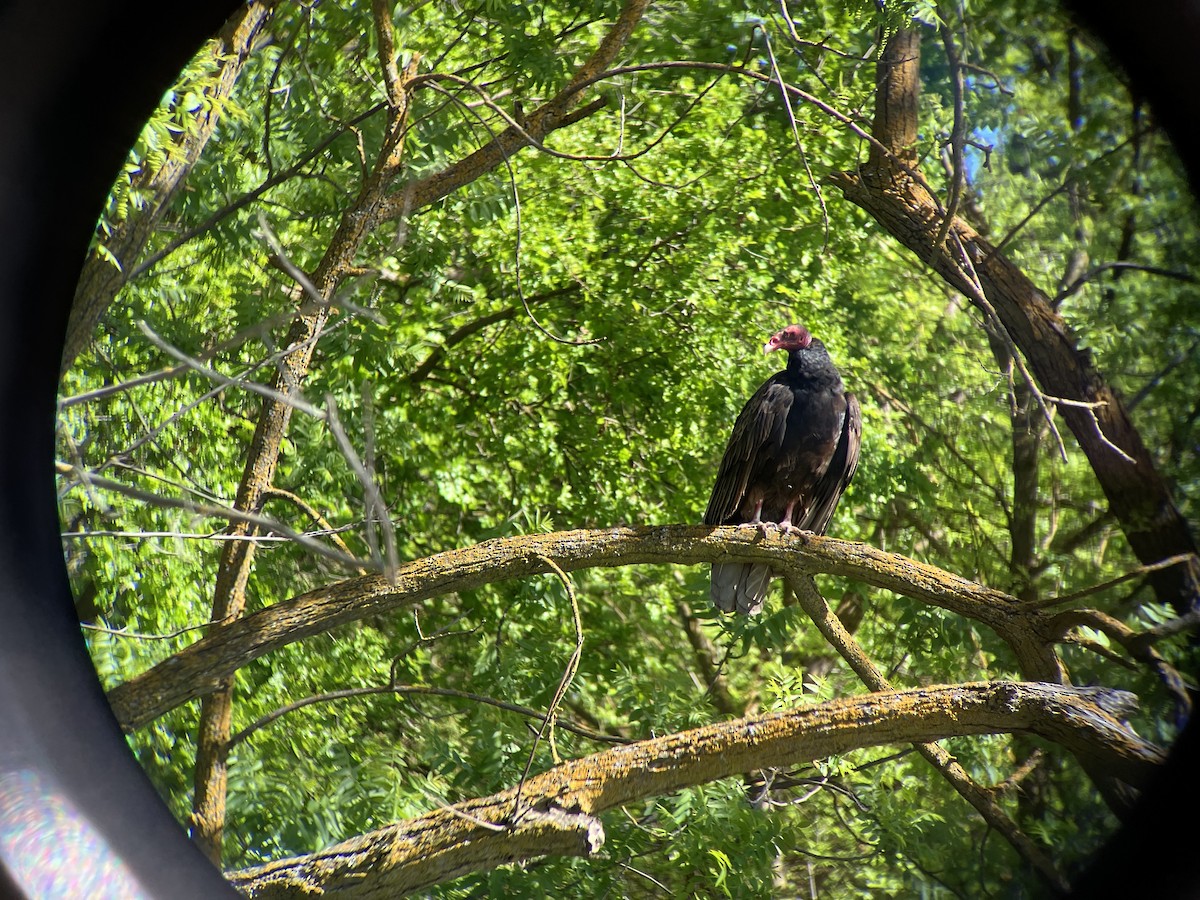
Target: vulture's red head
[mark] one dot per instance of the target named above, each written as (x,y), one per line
(794,337)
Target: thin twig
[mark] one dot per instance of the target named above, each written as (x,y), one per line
(1023,771)
(433,80)
(829,110)
(314,514)
(1063,187)
(297,274)
(419,690)
(814,45)
(142,636)
(791,116)
(517,214)
(1134,644)
(1172,627)
(958,136)
(551,718)
(980,298)
(183,535)
(211,510)
(250,196)
(1177,560)
(375,509)
(292,400)
(1083,279)
(259,328)
(466,816)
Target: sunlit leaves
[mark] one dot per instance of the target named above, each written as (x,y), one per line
(565,342)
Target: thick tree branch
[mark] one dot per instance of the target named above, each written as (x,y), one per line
(199,668)
(1095,413)
(558,811)
(556,112)
(897,96)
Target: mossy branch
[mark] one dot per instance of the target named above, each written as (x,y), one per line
(558,808)
(198,669)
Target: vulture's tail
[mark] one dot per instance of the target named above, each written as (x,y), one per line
(740,586)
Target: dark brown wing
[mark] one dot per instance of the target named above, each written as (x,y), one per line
(757,436)
(828,490)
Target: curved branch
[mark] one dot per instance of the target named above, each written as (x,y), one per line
(558,111)
(197,670)
(438,352)
(559,808)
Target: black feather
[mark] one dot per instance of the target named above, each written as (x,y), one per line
(794,449)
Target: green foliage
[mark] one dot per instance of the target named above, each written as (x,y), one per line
(564,343)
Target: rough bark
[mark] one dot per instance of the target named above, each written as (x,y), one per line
(233,569)
(100,280)
(897,92)
(1124,468)
(198,669)
(555,812)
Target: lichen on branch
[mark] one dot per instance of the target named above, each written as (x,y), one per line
(554,813)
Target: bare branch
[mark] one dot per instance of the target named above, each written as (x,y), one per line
(568,673)
(140,636)
(310,511)
(210,510)
(791,116)
(183,535)
(958,135)
(979,298)
(291,399)
(376,509)
(1140,571)
(1097,271)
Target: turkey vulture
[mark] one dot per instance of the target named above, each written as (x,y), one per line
(793,450)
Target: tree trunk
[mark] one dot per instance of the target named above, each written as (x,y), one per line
(372,206)
(887,189)
(100,280)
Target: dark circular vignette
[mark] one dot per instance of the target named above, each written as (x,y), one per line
(83,77)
